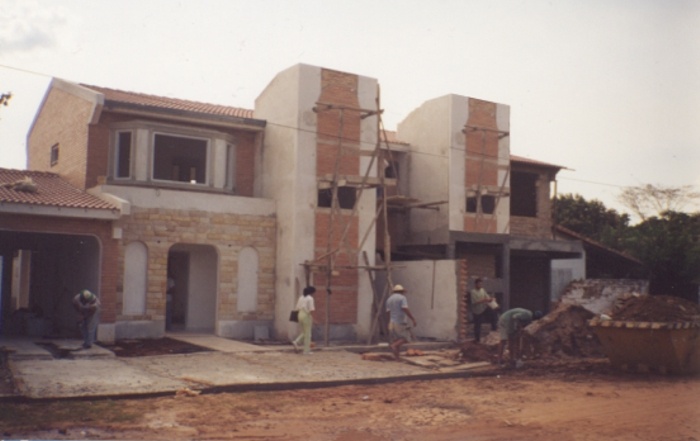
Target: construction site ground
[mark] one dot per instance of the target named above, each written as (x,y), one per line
(201,387)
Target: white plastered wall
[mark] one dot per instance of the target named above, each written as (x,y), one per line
(432,295)
(503,209)
(289,161)
(427,129)
(435,132)
(367,93)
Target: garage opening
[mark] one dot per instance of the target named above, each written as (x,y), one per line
(41,273)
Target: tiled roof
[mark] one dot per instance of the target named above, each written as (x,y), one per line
(51,191)
(595,243)
(153,101)
(524,160)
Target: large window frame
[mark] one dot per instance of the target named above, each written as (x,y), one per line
(139,163)
(185,166)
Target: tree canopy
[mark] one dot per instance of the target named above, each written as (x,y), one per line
(591,219)
(667,243)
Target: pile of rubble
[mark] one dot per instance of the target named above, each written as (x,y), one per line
(655,309)
(471,351)
(564,331)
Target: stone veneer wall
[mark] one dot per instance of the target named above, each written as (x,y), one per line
(159,229)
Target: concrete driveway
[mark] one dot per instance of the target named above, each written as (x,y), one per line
(68,372)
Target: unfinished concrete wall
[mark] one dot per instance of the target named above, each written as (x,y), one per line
(469,139)
(428,130)
(433,296)
(308,109)
(289,164)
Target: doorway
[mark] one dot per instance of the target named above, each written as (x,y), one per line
(192,286)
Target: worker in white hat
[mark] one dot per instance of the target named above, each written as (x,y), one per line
(397,311)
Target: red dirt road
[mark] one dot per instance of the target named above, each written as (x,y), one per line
(576,400)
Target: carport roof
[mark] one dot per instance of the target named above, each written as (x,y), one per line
(51,191)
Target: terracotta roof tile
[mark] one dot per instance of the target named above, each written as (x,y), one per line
(141,99)
(51,191)
(524,160)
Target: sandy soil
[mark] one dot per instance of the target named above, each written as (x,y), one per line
(547,400)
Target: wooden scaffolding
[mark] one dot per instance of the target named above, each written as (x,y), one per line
(340,221)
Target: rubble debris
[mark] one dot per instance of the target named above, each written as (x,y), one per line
(564,331)
(599,295)
(655,309)
(378,356)
(187,392)
(414,352)
(25,184)
(473,352)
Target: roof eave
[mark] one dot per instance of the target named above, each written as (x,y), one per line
(185,115)
(58,211)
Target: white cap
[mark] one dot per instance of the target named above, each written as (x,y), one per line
(398,288)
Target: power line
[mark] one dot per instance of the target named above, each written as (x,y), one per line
(411,151)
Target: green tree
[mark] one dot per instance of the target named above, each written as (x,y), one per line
(669,247)
(591,219)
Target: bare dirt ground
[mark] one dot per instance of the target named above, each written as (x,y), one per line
(566,399)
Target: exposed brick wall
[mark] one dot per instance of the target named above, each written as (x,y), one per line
(63,120)
(98,147)
(245,163)
(160,229)
(540,226)
(485,223)
(463,313)
(340,89)
(481,166)
(481,265)
(345,282)
(102,230)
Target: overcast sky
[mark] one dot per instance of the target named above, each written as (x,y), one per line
(609,89)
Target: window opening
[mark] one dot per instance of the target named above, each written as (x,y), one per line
(523,194)
(179,159)
(488,204)
(54,155)
(123,155)
(346,197)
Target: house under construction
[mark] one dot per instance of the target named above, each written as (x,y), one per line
(242,209)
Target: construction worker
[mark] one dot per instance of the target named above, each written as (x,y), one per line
(397,311)
(510,327)
(481,311)
(87,305)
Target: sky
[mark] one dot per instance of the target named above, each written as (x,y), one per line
(608,89)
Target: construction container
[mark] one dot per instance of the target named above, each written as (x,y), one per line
(672,348)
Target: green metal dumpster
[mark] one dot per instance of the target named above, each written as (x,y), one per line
(662,347)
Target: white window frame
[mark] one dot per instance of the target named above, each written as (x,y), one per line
(207,160)
(116,154)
